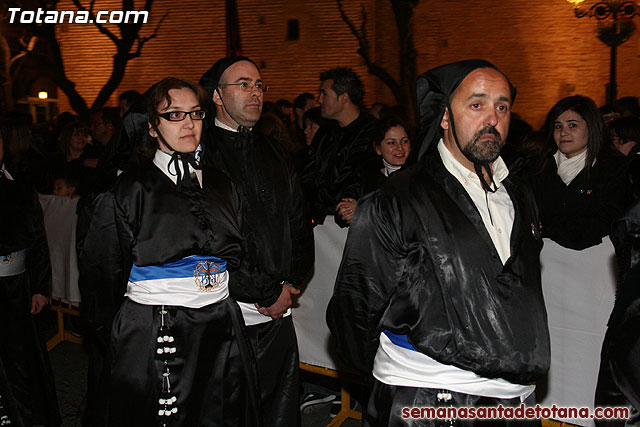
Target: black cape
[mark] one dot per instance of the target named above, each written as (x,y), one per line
(419,262)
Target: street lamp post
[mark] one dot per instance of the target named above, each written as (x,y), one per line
(615,26)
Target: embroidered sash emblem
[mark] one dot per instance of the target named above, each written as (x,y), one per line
(206,275)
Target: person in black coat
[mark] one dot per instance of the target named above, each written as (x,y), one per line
(179,354)
(339,149)
(579,183)
(27,387)
(619,375)
(275,227)
(625,136)
(439,296)
(392,144)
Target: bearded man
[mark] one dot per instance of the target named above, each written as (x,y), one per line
(439,294)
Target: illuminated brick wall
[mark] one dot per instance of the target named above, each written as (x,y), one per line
(192,38)
(544,49)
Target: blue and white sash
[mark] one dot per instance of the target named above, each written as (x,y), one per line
(398,362)
(194,281)
(13,264)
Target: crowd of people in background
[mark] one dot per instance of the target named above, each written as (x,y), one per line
(329,150)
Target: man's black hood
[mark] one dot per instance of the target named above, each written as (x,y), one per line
(434,89)
(211,78)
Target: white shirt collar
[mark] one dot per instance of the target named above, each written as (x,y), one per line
(388,168)
(219,124)
(224,126)
(464,175)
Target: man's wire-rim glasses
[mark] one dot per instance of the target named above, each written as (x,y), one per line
(248,87)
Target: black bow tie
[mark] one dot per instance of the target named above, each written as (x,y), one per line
(184,179)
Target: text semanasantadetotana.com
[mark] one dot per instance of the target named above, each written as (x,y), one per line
(517,412)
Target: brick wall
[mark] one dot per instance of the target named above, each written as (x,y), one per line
(545,50)
(191,39)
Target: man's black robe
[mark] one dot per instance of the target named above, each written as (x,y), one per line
(419,262)
(279,242)
(276,229)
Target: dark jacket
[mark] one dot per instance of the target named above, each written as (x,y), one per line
(620,358)
(579,215)
(333,169)
(633,161)
(419,262)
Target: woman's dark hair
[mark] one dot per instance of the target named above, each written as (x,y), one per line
(159,97)
(17,134)
(315,115)
(588,110)
(382,126)
(271,126)
(626,128)
(67,133)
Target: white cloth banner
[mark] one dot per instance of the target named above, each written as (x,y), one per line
(60,225)
(309,312)
(579,291)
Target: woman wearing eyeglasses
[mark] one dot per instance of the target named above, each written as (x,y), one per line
(179,355)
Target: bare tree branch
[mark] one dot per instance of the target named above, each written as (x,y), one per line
(128,46)
(143,40)
(403,87)
(99,26)
(130,35)
(364,51)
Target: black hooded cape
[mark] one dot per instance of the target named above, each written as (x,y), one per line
(419,262)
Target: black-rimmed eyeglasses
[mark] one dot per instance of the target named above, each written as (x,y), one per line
(178,116)
(248,87)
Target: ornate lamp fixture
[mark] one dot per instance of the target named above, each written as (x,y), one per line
(615,26)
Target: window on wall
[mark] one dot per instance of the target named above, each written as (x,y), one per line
(293,29)
(40,110)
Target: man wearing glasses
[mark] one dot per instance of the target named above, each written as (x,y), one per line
(278,236)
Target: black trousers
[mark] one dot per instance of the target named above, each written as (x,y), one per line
(386,403)
(276,349)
